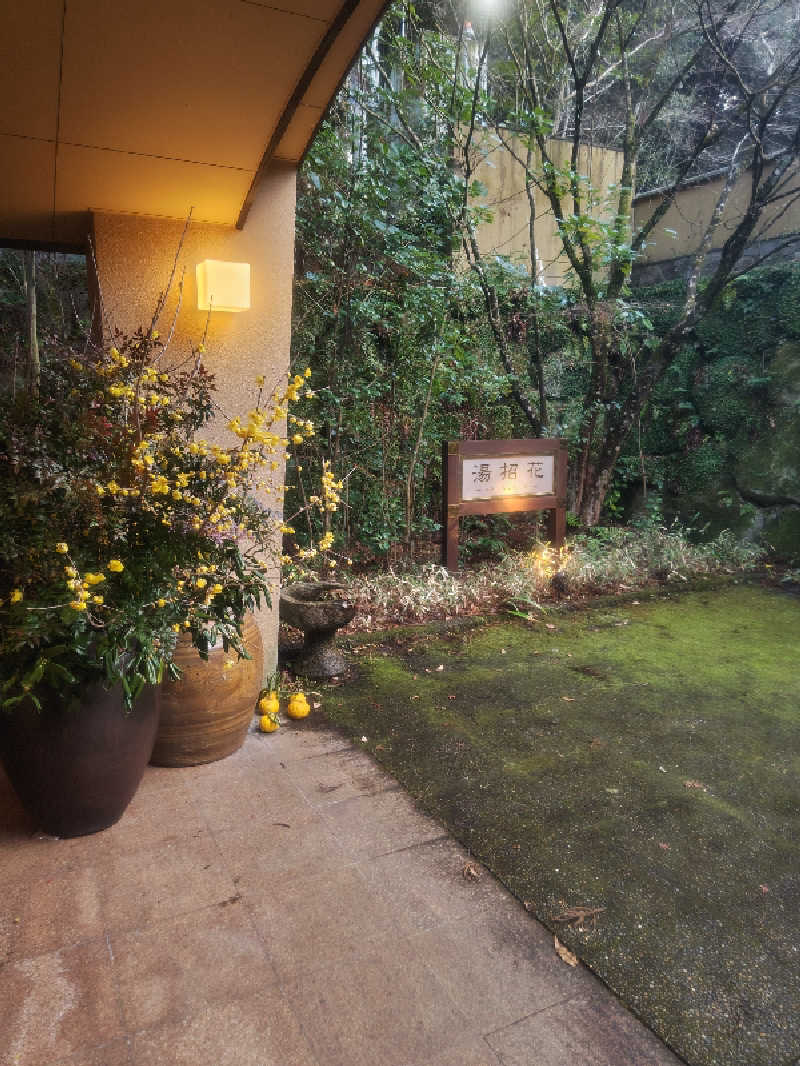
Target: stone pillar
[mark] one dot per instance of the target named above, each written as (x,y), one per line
(134,257)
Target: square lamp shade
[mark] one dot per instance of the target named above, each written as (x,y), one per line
(223,286)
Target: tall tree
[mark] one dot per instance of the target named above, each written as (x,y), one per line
(33,369)
(633,61)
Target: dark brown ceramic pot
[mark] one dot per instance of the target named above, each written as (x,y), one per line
(76,764)
(205,716)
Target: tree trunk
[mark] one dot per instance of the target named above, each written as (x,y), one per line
(594,496)
(417,444)
(33,369)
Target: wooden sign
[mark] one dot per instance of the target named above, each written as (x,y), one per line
(502,476)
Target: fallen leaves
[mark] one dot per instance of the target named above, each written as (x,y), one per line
(574,917)
(564,953)
(470,872)
(591,671)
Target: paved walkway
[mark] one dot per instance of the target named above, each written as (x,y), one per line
(288,906)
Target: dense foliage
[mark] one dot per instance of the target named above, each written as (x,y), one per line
(392,332)
(722,399)
(421,336)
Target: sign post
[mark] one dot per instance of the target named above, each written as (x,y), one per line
(502,476)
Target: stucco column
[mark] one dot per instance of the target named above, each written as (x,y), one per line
(134,258)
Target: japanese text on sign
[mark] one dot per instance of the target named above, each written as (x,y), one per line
(511,475)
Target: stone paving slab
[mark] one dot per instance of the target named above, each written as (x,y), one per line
(287,906)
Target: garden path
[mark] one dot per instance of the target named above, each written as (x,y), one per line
(287,906)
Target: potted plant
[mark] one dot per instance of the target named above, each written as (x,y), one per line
(121,527)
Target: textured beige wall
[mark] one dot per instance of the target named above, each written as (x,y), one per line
(507,233)
(134,259)
(681,229)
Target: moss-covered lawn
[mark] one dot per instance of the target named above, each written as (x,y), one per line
(644,759)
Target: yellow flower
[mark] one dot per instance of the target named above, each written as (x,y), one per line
(62,548)
(297,438)
(97,599)
(307,372)
(162,603)
(16,595)
(116,566)
(155,334)
(176,628)
(229,664)
(260,380)
(100,490)
(77,605)
(70,571)
(216,588)
(201,348)
(94,579)
(201,582)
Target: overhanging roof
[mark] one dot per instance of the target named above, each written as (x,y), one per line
(158,106)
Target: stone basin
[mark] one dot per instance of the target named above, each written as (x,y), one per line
(306,607)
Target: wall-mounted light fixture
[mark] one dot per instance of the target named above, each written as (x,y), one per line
(223,286)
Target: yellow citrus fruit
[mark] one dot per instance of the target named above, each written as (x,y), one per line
(267,723)
(298,706)
(269,704)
